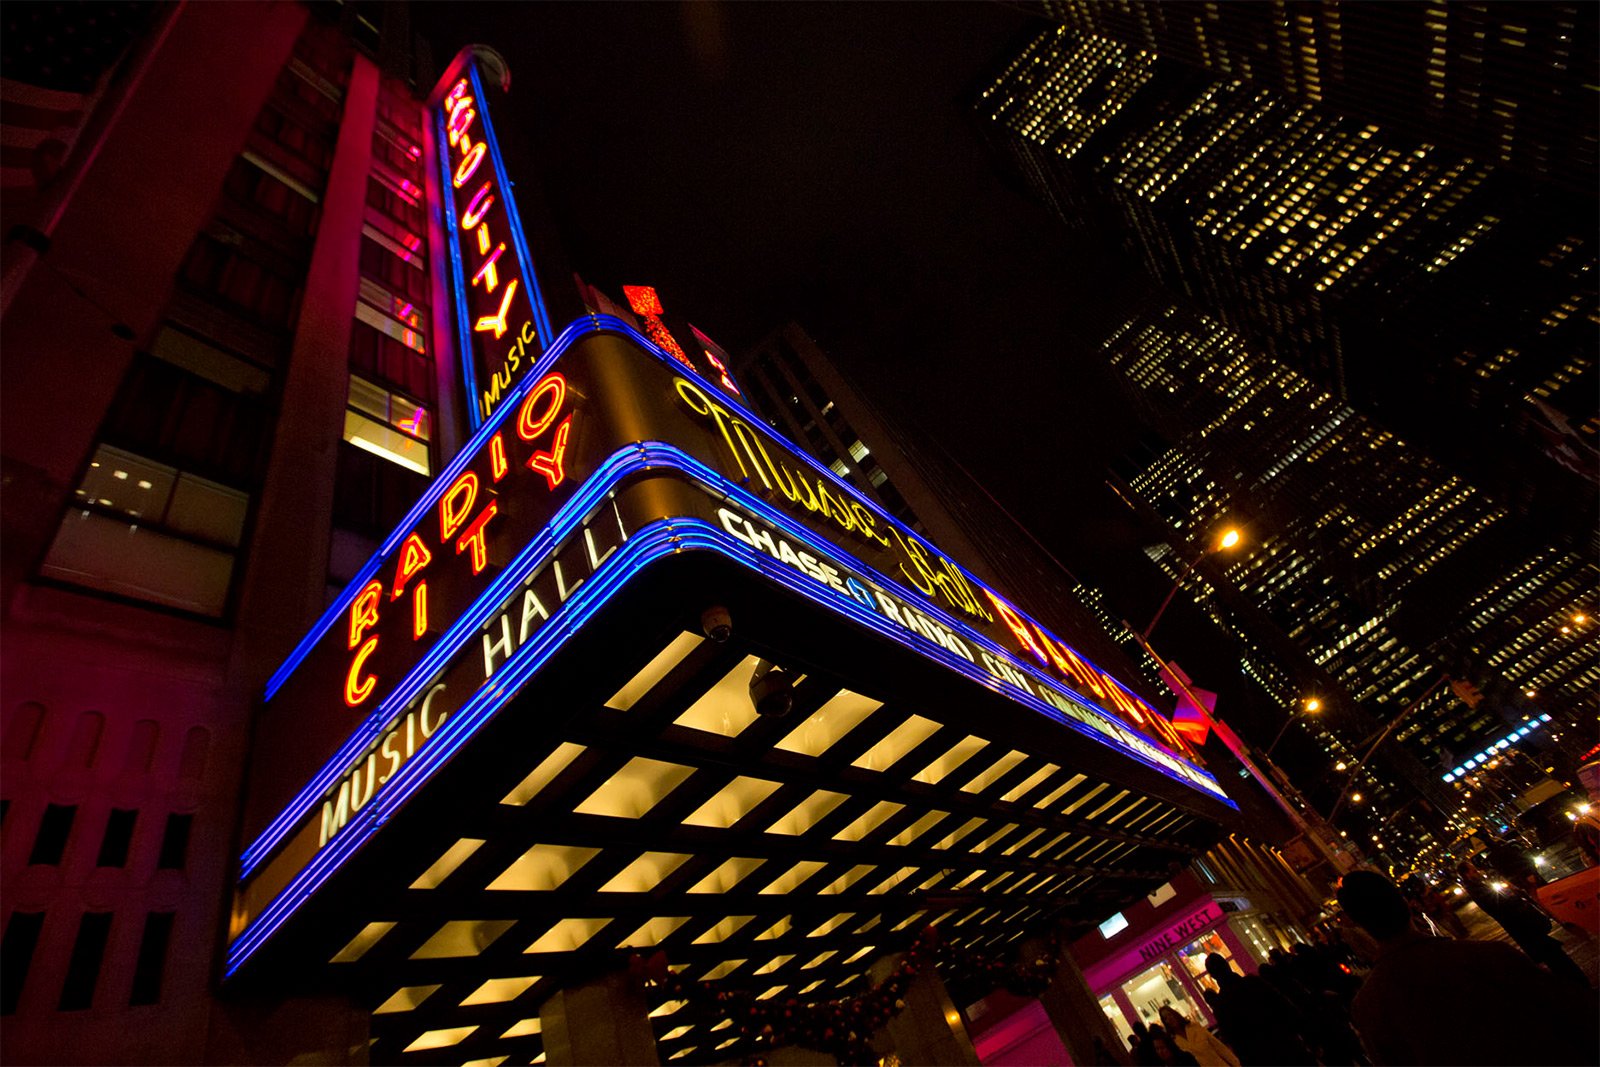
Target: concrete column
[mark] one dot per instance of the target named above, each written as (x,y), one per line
(604,1021)
(1244,956)
(1073,1008)
(928,1030)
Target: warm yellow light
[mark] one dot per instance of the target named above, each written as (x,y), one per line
(1356,797)
(1339,766)
(1313,705)
(1531,693)
(1580,618)
(1230,538)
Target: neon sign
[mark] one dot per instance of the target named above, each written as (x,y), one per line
(527,534)
(647,305)
(501,321)
(751,449)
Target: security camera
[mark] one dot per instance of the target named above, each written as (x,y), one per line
(771,690)
(717,623)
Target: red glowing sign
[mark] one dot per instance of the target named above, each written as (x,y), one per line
(498,335)
(464,514)
(647,305)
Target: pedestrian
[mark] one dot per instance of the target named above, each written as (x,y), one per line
(1255,1020)
(1167,1052)
(1523,920)
(1435,1000)
(1196,1040)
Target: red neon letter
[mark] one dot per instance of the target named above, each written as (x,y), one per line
(487,273)
(356,691)
(453,509)
(527,426)
(1015,623)
(474,537)
(461,116)
(551,464)
(497,457)
(414,556)
(497,321)
(477,206)
(469,162)
(364,611)
(419,610)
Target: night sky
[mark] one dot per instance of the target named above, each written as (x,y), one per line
(761,162)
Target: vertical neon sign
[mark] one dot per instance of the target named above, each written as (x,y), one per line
(501,321)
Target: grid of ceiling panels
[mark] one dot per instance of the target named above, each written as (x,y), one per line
(777,855)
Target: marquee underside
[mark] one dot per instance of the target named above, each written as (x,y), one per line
(629,798)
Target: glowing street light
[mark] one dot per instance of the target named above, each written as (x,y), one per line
(1311,706)
(1230,537)
(1339,766)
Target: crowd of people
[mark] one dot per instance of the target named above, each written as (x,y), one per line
(1430,994)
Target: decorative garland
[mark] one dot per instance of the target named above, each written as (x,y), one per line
(845,1027)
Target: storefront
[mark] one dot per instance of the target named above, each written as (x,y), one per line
(1155,953)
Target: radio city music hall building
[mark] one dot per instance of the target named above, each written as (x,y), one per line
(402,638)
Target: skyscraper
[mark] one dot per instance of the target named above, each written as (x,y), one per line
(1384,266)
(1338,268)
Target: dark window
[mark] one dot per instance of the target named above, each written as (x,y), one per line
(382,195)
(83,969)
(372,494)
(152,963)
(219,268)
(249,183)
(175,843)
(54,829)
(383,359)
(119,835)
(16,956)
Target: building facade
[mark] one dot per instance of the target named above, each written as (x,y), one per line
(1327,266)
(397,642)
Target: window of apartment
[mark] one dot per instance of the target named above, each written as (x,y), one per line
(277,125)
(151,965)
(220,267)
(262,184)
(175,843)
(382,359)
(400,199)
(404,332)
(55,828)
(384,259)
(83,967)
(16,956)
(150,531)
(372,493)
(387,424)
(396,149)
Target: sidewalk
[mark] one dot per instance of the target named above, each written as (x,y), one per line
(1583,950)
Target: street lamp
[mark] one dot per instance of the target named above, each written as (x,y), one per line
(1230,537)
(1310,707)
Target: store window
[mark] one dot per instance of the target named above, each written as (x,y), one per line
(1193,957)
(1119,1021)
(1156,988)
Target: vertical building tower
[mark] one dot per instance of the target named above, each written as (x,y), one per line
(1382,264)
(222,381)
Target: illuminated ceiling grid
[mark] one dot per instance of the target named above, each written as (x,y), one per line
(772,854)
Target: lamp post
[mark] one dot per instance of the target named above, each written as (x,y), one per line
(1394,724)
(1229,538)
(1310,707)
